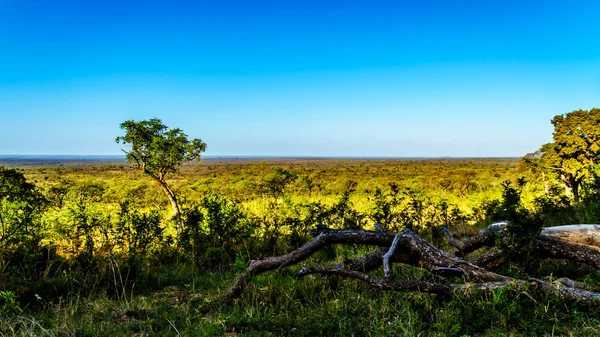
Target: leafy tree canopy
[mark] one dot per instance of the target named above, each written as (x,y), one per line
(157,149)
(577,139)
(20,206)
(14,187)
(575,150)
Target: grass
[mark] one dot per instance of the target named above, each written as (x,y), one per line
(281,305)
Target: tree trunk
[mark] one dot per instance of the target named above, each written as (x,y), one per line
(409,248)
(575,188)
(171,196)
(579,243)
(572,185)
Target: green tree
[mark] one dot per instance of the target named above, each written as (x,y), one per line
(276,184)
(576,147)
(22,254)
(573,154)
(20,206)
(157,151)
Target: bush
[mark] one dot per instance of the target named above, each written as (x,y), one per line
(214,231)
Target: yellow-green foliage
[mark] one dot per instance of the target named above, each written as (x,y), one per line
(465,182)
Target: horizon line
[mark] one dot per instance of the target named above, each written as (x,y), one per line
(57,156)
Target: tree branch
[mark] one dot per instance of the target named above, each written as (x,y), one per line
(386,258)
(386,284)
(411,249)
(580,243)
(485,237)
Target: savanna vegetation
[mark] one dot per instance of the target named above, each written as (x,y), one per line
(152,245)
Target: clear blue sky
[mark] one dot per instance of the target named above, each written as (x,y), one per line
(297,78)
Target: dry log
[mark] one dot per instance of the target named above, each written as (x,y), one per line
(576,284)
(579,243)
(585,234)
(569,292)
(409,248)
(386,283)
(485,237)
(550,247)
(490,260)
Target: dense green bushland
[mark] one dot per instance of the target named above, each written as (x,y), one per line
(93,249)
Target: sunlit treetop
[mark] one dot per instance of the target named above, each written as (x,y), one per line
(15,187)
(156,149)
(577,139)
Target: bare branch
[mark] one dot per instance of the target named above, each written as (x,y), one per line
(411,248)
(580,243)
(386,284)
(484,237)
(490,260)
(387,269)
(576,284)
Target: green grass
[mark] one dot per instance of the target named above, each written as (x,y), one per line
(281,305)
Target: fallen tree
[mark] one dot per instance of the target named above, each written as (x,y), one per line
(577,243)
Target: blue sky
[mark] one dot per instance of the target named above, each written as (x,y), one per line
(297,78)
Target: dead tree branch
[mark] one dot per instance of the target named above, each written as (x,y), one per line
(409,248)
(578,243)
(387,269)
